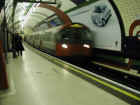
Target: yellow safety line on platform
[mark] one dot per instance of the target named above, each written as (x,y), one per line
(104,83)
(94,78)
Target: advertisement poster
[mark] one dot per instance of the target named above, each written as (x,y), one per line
(101,19)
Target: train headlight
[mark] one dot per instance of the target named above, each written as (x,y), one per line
(86,45)
(64,45)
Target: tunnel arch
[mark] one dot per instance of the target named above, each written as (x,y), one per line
(59,13)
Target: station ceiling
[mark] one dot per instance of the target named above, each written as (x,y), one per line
(28,14)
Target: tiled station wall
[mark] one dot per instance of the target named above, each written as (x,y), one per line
(129,11)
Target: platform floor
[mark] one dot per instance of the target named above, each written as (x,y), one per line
(36,81)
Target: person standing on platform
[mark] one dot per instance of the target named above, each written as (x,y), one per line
(19,45)
(14,46)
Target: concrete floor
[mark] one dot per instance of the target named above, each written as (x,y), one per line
(36,81)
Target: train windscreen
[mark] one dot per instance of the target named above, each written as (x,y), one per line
(74,35)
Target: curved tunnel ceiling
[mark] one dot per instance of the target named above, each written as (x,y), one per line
(31,14)
(36,13)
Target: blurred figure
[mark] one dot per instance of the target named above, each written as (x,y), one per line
(19,45)
(13,46)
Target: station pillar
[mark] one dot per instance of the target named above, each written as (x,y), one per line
(3,73)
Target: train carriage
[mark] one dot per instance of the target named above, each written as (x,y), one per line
(70,41)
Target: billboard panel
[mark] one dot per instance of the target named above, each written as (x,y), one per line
(102,21)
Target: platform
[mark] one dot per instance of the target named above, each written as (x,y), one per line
(34,80)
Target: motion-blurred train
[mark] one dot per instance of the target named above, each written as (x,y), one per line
(69,41)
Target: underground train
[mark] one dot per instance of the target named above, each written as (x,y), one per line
(69,41)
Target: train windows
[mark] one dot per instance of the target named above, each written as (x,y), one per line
(74,35)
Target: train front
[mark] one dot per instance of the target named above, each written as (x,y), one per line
(74,42)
